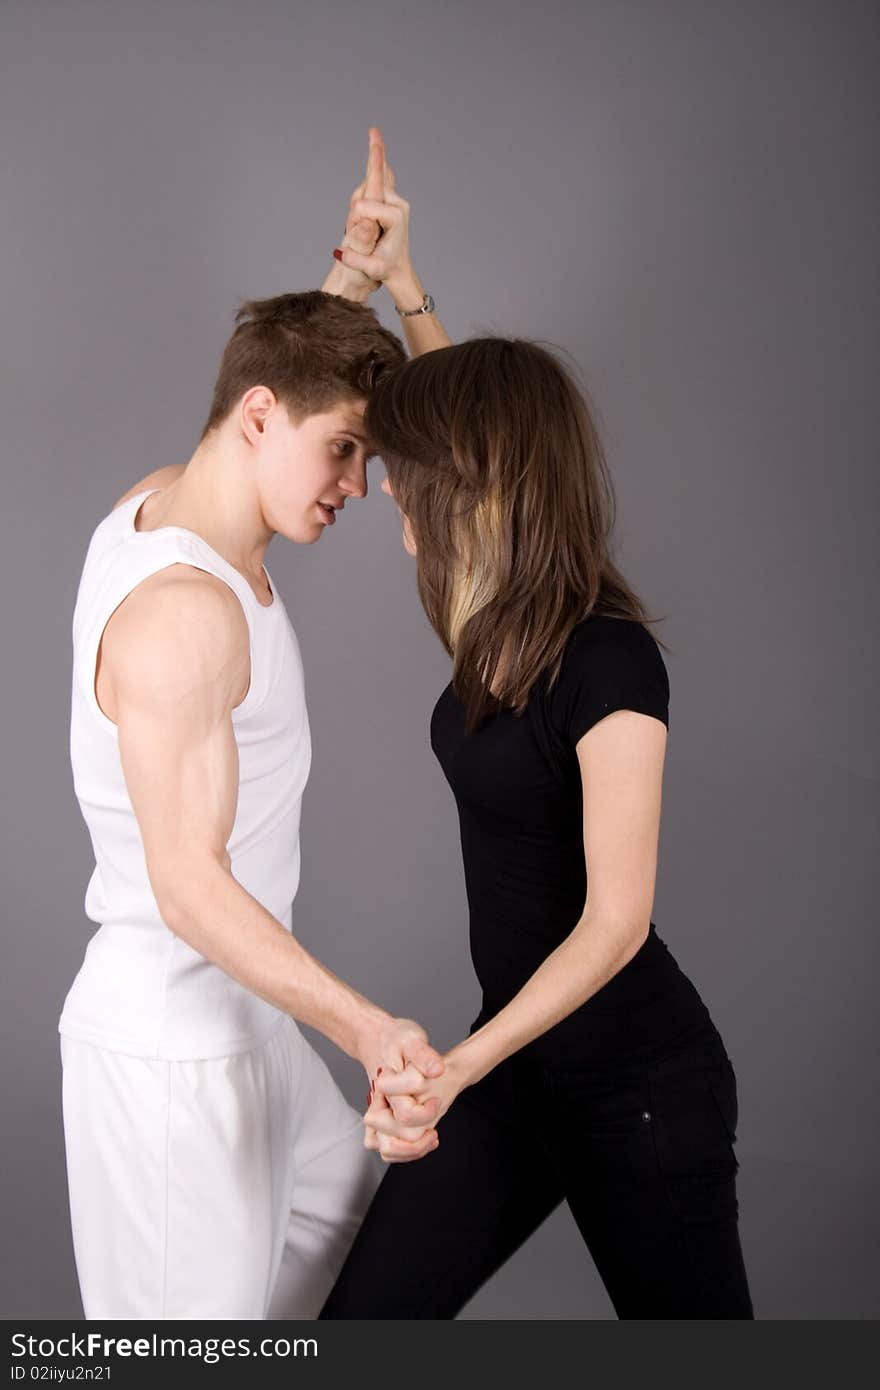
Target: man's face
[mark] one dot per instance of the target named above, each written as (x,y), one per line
(307,471)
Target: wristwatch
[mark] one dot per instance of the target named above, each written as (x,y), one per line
(427,306)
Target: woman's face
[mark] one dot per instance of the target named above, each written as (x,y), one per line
(409,544)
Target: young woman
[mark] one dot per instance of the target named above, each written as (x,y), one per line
(594,1072)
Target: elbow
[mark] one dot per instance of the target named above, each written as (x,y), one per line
(183,891)
(627,931)
(639,934)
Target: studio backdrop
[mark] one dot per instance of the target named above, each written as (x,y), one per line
(684,198)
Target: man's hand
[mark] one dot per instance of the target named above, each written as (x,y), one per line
(362,233)
(388,262)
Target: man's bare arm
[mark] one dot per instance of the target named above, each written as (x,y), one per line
(175,658)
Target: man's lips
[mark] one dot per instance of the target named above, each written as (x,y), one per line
(328,511)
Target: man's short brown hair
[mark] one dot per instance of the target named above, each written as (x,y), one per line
(312,350)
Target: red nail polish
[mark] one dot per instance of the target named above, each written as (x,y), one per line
(337,253)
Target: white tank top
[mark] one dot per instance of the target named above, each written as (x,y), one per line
(141,989)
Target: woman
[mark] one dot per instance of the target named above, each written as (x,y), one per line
(594,1072)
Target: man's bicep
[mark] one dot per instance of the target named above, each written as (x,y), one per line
(174,698)
(181,771)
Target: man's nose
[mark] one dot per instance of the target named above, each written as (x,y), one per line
(354,480)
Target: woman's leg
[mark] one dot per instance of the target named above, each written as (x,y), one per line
(439,1227)
(649,1173)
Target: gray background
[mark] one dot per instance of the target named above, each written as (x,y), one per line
(685,197)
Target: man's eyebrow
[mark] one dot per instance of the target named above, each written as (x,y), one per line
(363,440)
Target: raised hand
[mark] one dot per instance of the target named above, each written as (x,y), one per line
(376,203)
(362,233)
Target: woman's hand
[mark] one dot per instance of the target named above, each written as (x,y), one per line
(400,1100)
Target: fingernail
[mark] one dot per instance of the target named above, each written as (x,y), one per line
(337,253)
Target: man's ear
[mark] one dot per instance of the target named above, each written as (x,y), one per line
(253,411)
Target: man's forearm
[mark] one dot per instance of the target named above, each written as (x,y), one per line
(217,917)
(348,284)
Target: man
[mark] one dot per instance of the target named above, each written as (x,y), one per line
(215,1169)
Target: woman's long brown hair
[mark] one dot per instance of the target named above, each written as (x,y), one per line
(494,458)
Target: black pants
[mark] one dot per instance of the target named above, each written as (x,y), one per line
(642,1152)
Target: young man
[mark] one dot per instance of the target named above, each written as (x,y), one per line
(215,1169)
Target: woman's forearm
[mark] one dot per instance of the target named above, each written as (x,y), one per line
(586,960)
(423,332)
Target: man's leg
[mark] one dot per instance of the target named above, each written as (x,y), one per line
(334,1179)
(115,1136)
(180,1176)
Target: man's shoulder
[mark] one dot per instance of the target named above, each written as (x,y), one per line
(181,602)
(178,627)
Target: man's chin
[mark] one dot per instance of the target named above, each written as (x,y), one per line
(304,534)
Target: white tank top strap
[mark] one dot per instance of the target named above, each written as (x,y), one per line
(132,556)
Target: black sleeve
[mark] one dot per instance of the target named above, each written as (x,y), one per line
(609,664)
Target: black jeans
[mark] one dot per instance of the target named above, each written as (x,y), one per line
(640,1149)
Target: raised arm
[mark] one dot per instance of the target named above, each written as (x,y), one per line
(366,259)
(175,662)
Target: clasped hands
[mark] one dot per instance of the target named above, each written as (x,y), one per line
(374,249)
(411,1088)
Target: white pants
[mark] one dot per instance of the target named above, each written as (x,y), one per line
(229,1188)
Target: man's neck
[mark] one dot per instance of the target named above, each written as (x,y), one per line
(214,495)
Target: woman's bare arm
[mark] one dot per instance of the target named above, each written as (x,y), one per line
(621,762)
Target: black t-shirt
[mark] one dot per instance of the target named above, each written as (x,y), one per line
(517,784)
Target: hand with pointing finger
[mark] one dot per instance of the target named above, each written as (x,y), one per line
(376,202)
(362,233)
